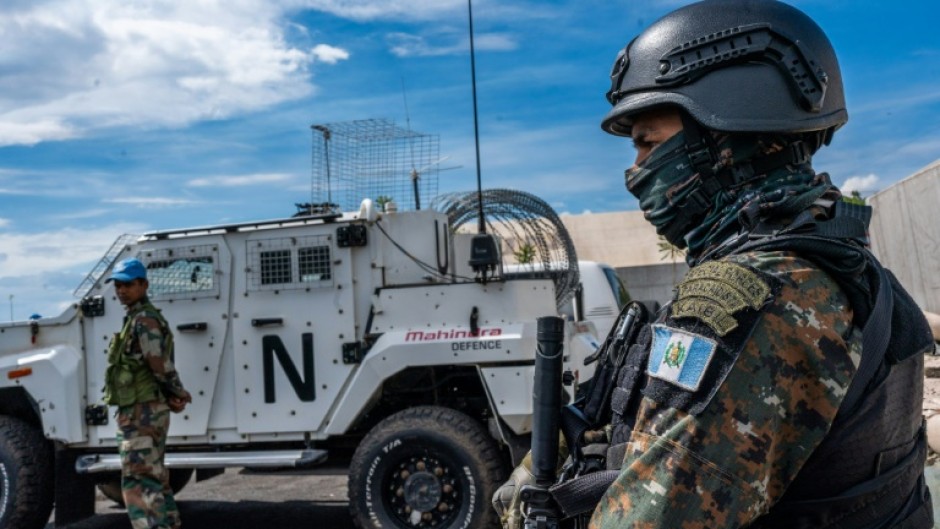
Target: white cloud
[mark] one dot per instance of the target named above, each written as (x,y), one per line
(329,54)
(71,66)
(447,11)
(363,10)
(81,214)
(4,222)
(32,133)
(151,202)
(239,180)
(865,185)
(30,254)
(41,270)
(408,45)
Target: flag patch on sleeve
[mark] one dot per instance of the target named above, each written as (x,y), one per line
(680,357)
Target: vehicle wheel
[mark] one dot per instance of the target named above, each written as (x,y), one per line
(26,475)
(111,488)
(425,467)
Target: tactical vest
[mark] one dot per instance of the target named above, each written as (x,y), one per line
(869,470)
(129,380)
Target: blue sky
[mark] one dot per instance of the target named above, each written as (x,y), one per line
(120,117)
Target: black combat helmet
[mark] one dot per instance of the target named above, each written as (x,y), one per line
(733,65)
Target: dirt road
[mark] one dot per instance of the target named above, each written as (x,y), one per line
(241,499)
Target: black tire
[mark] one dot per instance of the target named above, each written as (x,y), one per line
(111,487)
(27,478)
(435,464)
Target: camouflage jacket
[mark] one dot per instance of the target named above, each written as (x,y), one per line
(147,346)
(747,370)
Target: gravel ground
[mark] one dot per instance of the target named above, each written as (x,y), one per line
(243,499)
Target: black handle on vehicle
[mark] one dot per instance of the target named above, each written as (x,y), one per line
(192,327)
(265,322)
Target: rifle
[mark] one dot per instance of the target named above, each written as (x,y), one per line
(591,409)
(572,495)
(541,511)
(610,358)
(567,500)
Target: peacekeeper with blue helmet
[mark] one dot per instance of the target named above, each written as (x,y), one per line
(142,382)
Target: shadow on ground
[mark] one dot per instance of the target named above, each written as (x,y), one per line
(245,514)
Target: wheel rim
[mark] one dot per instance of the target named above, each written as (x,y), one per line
(5,487)
(423,491)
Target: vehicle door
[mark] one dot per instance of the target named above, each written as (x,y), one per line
(294,314)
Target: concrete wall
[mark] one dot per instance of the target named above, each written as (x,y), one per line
(628,243)
(905,234)
(652,282)
(620,239)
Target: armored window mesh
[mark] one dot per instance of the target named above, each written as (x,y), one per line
(314,263)
(289,262)
(275,267)
(183,272)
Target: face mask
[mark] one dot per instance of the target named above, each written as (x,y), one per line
(661,182)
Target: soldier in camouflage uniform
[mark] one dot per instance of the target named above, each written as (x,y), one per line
(782,386)
(143,383)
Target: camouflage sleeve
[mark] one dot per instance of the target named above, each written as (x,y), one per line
(151,340)
(727,465)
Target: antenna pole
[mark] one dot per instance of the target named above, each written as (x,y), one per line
(476,123)
(326,149)
(411,144)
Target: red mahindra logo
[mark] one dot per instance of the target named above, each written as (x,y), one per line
(451,334)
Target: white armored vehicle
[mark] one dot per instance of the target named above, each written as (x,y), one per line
(298,338)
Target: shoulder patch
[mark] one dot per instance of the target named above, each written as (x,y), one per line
(714,291)
(680,357)
(697,341)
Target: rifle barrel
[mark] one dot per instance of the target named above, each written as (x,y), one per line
(546,398)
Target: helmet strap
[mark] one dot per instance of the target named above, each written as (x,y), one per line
(699,144)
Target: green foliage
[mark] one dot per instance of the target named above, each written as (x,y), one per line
(855,198)
(525,254)
(668,251)
(382,200)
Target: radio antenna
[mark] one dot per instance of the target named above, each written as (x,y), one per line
(484,252)
(476,122)
(411,145)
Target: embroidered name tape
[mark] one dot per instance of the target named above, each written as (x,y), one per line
(714,291)
(680,357)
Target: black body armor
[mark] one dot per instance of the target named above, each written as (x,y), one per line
(869,470)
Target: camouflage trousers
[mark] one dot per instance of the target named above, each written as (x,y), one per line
(145,481)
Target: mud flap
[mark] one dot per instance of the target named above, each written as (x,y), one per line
(74,492)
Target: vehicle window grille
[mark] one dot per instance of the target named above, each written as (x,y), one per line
(314,263)
(181,272)
(275,267)
(285,263)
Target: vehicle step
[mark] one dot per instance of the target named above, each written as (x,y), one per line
(92,463)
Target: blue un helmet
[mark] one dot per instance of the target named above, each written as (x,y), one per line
(128,270)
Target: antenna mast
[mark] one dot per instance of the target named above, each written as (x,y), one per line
(476,123)
(414,170)
(484,251)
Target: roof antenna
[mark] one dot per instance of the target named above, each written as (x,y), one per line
(484,252)
(411,145)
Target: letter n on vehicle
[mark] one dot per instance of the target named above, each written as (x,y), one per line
(272,346)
